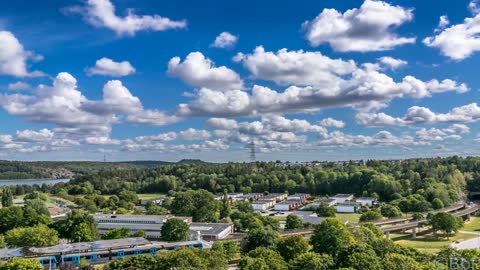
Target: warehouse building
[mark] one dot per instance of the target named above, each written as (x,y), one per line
(341,198)
(347,207)
(262,205)
(152,226)
(366,201)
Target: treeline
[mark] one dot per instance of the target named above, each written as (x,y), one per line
(19,170)
(332,246)
(442,178)
(12,170)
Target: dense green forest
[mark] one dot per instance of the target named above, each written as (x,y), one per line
(411,186)
(417,183)
(58,169)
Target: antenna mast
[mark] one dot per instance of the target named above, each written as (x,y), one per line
(252,151)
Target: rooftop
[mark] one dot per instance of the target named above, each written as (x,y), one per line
(366,199)
(209,228)
(262,201)
(101,244)
(343,195)
(132,217)
(348,204)
(324,200)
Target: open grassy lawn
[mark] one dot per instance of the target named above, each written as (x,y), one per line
(51,201)
(150,196)
(351,218)
(472,226)
(428,242)
(52,198)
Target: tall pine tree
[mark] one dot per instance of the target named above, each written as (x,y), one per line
(225,209)
(7,197)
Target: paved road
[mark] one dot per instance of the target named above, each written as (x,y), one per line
(468,244)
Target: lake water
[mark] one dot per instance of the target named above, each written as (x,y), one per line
(32,182)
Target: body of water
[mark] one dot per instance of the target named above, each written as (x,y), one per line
(32,182)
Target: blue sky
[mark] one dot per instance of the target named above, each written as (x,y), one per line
(309,80)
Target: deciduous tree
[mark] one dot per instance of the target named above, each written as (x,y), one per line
(312,261)
(330,236)
(292,246)
(175,230)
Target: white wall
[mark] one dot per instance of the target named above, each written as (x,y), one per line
(345,209)
(282,207)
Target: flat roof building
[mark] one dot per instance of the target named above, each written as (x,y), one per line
(309,217)
(152,225)
(366,201)
(263,204)
(317,203)
(341,198)
(211,231)
(347,207)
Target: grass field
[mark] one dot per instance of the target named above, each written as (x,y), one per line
(428,242)
(351,218)
(473,225)
(150,196)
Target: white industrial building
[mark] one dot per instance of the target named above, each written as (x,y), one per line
(261,205)
(211,231)
(309,217)
(152,225)
(347,207)
(278,197)
(287,205)
(317,203)
(341,198)
(366,201)
(302,197)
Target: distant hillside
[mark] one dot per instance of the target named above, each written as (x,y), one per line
(67,169)
(191,161)
(148,163)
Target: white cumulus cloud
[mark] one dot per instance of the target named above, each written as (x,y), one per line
(368,28)
(101,13)
(225,40)
(458,41)
(13,57)
(108,67)
(199,71)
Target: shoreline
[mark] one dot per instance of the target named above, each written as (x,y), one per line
(39,179)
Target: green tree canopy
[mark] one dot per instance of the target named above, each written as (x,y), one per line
(2,241)
(22,264)
(293,222)
(324,210)
(225,209)
(229,248)
(330,236)
(312,261)
(37,236)
(391,211)
(198,204)
(437,204)
(140,233)
(395,261)
(371,215)
(10,217)
(292,246)
(7,197)
(446,222)
(78,226)
(117,233)
(175,230)
(35,211)
(260,238)
(263,258)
